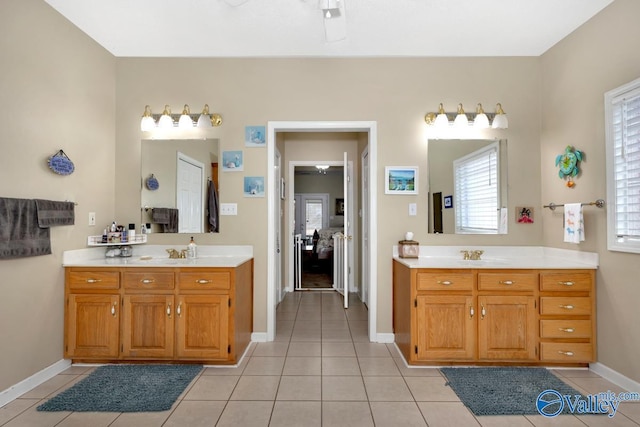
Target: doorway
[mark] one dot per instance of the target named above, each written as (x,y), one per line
(189,194)
(273,293)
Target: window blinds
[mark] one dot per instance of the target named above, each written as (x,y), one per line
(626,163)
(476,191)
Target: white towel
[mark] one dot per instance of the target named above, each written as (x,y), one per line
(573,223)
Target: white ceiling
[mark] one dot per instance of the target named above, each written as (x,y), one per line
(296,28)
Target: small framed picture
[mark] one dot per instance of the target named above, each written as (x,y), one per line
(254,136)
(448,202)
(524,215)
(253,186)
(340,207)
(401,180)
(232,161)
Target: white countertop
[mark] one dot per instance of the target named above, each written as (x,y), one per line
(534,257)
(157,256)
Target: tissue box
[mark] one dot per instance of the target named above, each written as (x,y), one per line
(408,249)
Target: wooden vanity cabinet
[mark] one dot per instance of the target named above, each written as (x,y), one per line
(501,316)
(158,314)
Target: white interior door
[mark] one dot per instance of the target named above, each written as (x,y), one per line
(189,194)
(278,225)
(364,280)
(346,229)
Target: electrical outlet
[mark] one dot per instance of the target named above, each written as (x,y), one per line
(228,209)
(92,218)
(413,209)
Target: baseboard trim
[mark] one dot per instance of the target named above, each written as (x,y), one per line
(615,377)
(385,338)
(33,381)
(259,337)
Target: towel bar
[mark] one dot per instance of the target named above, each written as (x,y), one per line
(598,203)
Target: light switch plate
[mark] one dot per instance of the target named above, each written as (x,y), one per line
(228,209)
(92,218)
(413,209)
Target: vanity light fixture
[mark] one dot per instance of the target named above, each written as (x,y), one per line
(500,121)
(165,120)
(185,120)
(322,169)
(480,119)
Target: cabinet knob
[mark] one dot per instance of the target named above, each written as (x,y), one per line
(147,281)
(506,282)
(445,282)
(93,280)
(566,283)
(567,330)
(567,307)
(203,281)
(566,353)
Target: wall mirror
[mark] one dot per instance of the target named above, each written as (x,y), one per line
(467,185)
(177,178)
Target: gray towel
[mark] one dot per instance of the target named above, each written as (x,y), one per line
(172,225)
(160,215)
(51,213)
(20,235)
(212,204)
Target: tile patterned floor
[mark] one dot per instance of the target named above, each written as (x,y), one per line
(320,371)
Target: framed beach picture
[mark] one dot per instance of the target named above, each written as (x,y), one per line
(232,161)
(401,180)
(254,136)
(253,186)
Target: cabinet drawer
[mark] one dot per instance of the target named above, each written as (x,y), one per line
(148,279)
(92,279)
(566,352)
(569,328)
(445,281)
(195,280)
(506,281)
(565,282)
(565,305)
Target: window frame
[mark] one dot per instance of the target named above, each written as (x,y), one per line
(615,243)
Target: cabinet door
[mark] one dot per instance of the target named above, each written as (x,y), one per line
(148,326)
(507,328)
(93,325)
(445,327)
(203,327)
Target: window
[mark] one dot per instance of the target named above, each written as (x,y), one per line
(476,191)
(313,211)
(622,120)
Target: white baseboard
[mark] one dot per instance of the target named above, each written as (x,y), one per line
(615,377)
(385,338)
(259,337)
(33,381)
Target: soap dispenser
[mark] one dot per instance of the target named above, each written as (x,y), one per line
(192,249)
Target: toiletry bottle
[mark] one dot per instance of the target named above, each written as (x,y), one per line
(149,228)
(192,249)
(132,232)
(105,238)
(114,227)
(143,229)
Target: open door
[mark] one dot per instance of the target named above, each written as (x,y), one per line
(341,242)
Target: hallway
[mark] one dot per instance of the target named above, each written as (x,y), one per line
(320,371)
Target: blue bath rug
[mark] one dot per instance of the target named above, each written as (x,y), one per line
(125,388)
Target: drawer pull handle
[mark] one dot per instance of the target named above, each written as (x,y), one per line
(567,330)
(567,307)
(179,310)
(483,312)
(566,353)
(506,282)
(471,311)
(147,281)
(445,282)
(168,310)
(566,283)
(94,280)
(113,309)
(203,281)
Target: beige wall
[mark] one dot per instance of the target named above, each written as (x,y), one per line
(600,56)
(396,93)
(58,92)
